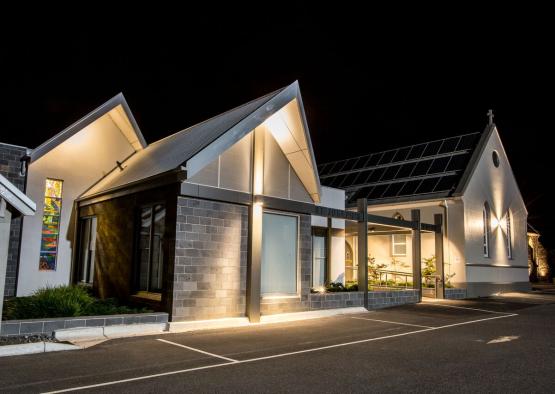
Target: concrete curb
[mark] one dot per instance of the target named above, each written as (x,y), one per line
(92,334)
(176,327)
(34,348)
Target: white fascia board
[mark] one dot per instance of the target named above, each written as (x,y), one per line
(16,198)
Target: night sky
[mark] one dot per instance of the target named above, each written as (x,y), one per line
(370,79)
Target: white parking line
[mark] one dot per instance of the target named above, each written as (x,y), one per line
(391,322)
(236,362)
(464,307)
(198,350)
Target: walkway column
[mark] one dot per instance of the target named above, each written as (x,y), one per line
(329,233)
(440,288)
(362,207)
(416,255)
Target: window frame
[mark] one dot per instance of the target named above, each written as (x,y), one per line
(137,254)
(393,244)
(320,232)
(59,225)
(509,234)
(80,269)
(486,229)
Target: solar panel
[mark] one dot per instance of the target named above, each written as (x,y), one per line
(430,168)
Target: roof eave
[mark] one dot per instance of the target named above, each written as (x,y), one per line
(16,198)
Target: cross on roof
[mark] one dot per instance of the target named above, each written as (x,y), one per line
(490,116)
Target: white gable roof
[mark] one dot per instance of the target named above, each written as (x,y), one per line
(197,146)
(118,110)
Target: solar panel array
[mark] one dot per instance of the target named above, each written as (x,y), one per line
(433,167)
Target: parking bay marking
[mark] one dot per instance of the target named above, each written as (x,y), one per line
(391,322)
(235,362)
(464,307)
(198,350)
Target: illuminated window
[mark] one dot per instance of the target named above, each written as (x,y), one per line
(50,225)
(398,241)
(509,236)
(487,226)
(318,257)
(279,255)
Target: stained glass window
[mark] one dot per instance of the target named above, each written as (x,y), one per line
(50,225)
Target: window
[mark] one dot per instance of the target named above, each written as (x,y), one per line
(486,228)
(318,259)
(50,225)
(87,246)
(279,254)
(509,235)
(151,251)
(495,158)
(398,245)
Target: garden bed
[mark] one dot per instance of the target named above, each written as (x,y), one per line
(21,339)
(64,301)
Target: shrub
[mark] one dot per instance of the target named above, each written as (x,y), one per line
(62,301)
(335,287)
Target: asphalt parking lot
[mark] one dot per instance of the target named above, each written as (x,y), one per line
(500,344)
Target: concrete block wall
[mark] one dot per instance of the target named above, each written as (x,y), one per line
(210,260)
(48,326)
(376,299)
(301,302)
(10,156)
(455,294)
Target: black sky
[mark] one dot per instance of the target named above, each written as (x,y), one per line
(376,78)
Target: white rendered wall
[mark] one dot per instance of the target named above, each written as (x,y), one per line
(498,187)
(79,161)
(330,198)
(453,235)
(380,248)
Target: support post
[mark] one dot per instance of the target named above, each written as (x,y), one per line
(362,205)
(254,253)
(254,262)
(328,251)
(416,255)
(440,288)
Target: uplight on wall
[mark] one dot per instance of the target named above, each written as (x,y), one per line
(503,222)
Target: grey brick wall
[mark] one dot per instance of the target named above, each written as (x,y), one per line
(48,326)
(301,302)
(455,294)
(376,299)
(9,168)
(210,260)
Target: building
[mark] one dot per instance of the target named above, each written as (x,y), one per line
(466,179)
(538,264)
(228,218)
